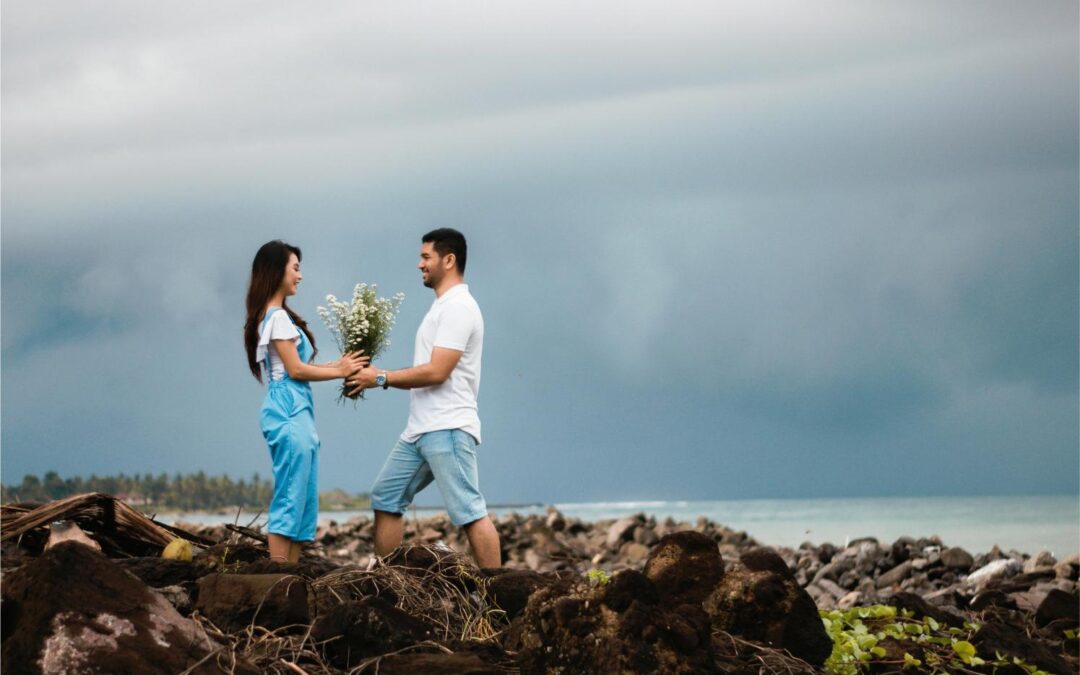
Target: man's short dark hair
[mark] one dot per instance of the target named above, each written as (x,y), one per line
(446,240)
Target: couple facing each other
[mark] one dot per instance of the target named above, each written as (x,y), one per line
(443,430)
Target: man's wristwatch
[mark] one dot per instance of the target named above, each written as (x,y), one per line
(380,380)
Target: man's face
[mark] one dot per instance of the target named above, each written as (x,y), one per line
(430,265)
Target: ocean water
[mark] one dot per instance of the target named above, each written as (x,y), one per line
(1027,524)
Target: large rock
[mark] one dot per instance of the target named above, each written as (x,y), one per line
(1058,605)
(73,610)
(623,626)
(685,565)
(233,601)
(511,589)
(369,627)
(768,606)
(998,638)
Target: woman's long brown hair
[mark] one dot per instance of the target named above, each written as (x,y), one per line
(267,272)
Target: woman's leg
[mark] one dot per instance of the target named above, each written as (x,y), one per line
(294,551)
(280,547)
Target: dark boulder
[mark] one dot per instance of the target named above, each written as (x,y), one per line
(1056,606)
(365,628)
(619,627)
(74,610)
(765,560)
(999,638)
(769,607)
(510,589)
(685,565)
(920,607)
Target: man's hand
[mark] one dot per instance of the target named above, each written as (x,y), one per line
(363,379)
(352,363)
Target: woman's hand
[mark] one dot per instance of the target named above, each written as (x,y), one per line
(352,363)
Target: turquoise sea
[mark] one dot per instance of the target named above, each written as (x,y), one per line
(1024,523)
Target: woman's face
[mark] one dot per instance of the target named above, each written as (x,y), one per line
(292,276)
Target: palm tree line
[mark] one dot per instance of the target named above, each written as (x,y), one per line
(158,492)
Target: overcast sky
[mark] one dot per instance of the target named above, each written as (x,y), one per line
(723,250)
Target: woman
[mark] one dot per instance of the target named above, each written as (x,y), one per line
(278,340)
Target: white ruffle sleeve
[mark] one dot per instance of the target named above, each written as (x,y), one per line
(278,327)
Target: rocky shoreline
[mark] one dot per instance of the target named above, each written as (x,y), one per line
(626,595)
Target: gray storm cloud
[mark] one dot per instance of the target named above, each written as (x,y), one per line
(834,231)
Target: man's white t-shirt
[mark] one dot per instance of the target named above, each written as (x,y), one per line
(454,322)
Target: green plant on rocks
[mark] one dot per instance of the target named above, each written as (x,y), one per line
(598,577)
(881,635)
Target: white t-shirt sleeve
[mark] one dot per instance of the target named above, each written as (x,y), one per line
(456,325)
(278,327)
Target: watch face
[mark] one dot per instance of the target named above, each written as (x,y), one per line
(380,380)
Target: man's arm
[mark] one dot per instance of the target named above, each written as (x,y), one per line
(436,371)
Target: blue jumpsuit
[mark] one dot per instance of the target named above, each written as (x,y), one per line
(287,419)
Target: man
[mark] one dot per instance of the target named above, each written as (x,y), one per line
(440,439)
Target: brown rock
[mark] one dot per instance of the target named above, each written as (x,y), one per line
(1058,605)
(511,589)
(895,575)
(625,626)
(686,565)
(358,630)
(769,607)
(957,559)
(73,610)
(1039,561)
(921,607)
(233,601)
(998,638)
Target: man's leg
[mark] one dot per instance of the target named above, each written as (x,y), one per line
(403,475)
(451,455)
(484,540)
(389,531)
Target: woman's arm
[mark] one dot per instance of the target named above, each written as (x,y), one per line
(298,370)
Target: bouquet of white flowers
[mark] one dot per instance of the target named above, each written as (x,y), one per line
(364,323)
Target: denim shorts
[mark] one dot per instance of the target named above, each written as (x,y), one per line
(447,457)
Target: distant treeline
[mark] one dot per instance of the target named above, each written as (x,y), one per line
(160,492)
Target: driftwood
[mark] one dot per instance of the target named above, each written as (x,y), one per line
(119,528)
